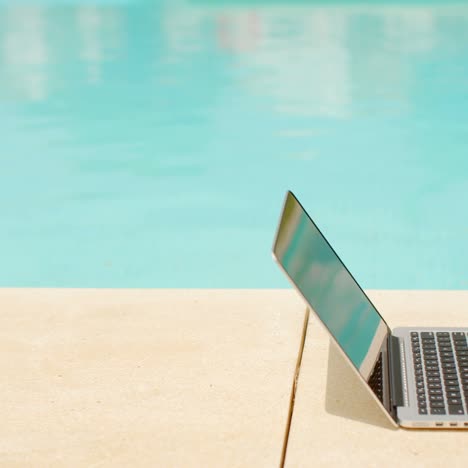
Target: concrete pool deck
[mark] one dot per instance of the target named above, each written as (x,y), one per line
(146,377)
(197,378)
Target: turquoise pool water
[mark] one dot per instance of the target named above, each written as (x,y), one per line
(149,144)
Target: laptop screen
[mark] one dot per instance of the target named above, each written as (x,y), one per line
(329,288)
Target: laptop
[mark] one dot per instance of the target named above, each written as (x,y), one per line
(418,375)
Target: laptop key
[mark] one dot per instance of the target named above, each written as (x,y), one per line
(437,404)
(459,342)
(437,411)
(434,385)
(456,409)
(447,359)
(424,411)
(455,401)
(450,377)
(451,383)
(452,388)
(436,398)
(448,366)
(431,362)
(429,347)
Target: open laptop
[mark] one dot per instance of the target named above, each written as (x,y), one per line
(418,375)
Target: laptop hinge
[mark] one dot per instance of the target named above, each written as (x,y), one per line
(396,380)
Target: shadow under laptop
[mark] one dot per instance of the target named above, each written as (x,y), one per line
(346,395)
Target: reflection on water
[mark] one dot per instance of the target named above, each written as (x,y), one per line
(25,52)
(40,42)
(309,58)
(99,31)
(155,112)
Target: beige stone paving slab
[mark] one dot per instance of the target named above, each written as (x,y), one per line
(335,421)
(102,378)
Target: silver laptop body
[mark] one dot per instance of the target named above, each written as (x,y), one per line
(418,375)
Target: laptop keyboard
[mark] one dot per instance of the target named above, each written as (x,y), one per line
(441,372)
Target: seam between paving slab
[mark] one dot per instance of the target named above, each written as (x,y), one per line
(292,398)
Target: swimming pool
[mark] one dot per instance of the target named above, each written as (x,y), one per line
(149,144)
